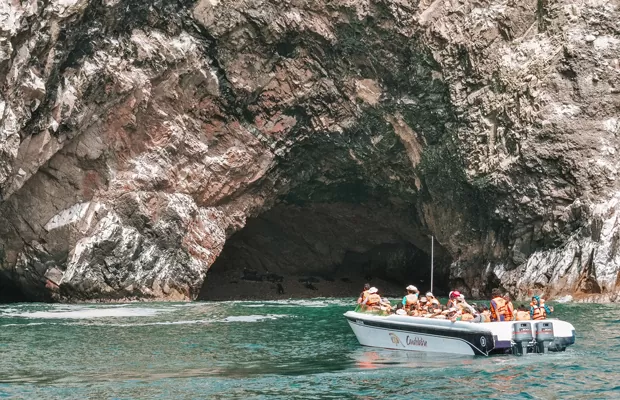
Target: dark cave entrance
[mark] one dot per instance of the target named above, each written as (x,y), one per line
(353,209)
(326,249)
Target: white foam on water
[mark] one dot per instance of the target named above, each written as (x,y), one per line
(253,318)
(188,322)
(28,324)
(89,313)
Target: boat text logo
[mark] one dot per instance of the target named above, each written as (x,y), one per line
(416,341)
(396,339)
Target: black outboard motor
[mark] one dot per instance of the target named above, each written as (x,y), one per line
(522,335)
(544,336)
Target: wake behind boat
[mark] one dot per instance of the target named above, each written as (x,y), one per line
(409,333)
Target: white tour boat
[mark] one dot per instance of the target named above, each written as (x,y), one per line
(466,338)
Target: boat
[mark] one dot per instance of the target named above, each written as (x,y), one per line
(400,332)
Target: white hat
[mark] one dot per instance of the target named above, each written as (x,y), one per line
(461,297)
(373,290)
(429,294)
(412,288)
(423,299)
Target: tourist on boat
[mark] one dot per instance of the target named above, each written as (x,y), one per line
(466,315)
(400,310)
(373,300)
(549,309)
(510,309)
(522,314)
(386,305)
(364,294)
(452,297)
(483,314)
(411,299)
(453,314)
(462,304)
(498,306)
(431,298)
(423,305)
(538,309)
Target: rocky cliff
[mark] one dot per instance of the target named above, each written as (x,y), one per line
(144,141)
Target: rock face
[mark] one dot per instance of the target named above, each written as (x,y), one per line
(138,138)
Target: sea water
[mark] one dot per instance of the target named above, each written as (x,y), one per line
(278,350)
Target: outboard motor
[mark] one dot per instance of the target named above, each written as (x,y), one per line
(544,336)
(522,335)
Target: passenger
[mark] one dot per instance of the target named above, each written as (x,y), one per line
(453,314)
(498,306)
(400,310)
(364,294)
(411,298)
(386,305)
(538,309)
(452,297)
(434,310)
(548,309)
(373,300)
(481,316)
(510,309)
(466,315)
(462,304)
(522,314)
(431,298)
(423,306)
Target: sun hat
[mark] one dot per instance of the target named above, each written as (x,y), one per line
(454,294)
(429,294)
(412,288)
(373,290)
(423,299)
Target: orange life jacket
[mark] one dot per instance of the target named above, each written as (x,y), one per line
(539,313)
(410,299)
(373,300)
(510,309)
(523,316)
(363,296)
(500,310)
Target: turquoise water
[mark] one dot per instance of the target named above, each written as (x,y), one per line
(285,349)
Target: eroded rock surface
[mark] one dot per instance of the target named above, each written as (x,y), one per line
(137,137)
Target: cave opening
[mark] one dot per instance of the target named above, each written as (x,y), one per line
(354,210)
(326,249)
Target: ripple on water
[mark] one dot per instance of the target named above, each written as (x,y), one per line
(288,349)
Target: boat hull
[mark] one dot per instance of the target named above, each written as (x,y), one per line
(416,334)
(444,336)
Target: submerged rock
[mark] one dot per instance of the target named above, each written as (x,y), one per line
(137,137)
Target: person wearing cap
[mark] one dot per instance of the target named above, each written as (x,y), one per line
(431,298)
(498,306)
(452,297)
(411,299)
(364,294)
(373,300)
